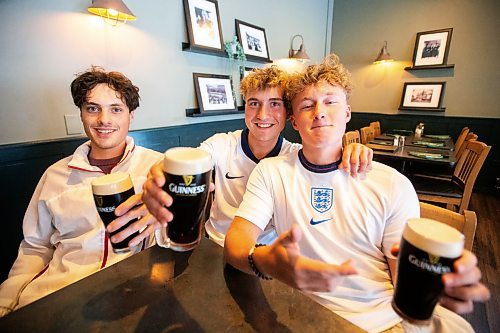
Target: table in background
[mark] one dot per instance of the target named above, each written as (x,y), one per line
(401,153)
(159,290)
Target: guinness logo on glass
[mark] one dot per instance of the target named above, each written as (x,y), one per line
(188,180)
(433,259)
(98,200)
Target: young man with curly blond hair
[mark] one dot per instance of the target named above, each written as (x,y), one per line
(335,232)
(236,154)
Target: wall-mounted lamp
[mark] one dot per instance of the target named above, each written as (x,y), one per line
(299,54)
(383,56)
(113,11)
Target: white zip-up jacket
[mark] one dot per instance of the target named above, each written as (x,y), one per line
(64,238)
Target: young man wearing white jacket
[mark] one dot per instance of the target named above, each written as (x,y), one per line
(64,238)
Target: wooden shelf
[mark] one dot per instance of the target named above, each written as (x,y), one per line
(257,59)
(422,109)
(429,67)
(195,112)
(216,52)
(203,50)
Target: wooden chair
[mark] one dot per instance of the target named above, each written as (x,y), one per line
(367,134)
(461,138)
(465,223)
(455,192)
(459,151)
(376,128)
(350,137)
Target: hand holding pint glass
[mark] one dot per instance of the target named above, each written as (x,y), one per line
(109,192)
(187,180)
(428,250)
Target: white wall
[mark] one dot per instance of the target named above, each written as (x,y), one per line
(44,43)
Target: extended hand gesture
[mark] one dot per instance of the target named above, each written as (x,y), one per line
(284,261)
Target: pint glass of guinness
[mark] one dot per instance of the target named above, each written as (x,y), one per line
(187,180)
(428,250)
(109,192)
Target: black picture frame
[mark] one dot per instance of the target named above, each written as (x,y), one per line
(253,40)
(432,48)
(215,94)
(203,26)
(423,96)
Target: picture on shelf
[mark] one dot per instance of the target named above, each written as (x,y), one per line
(215,93)
(253,40)
(432,47)
(203,23)
(426,96)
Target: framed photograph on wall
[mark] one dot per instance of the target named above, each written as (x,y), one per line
(215,93)
(431,48)
(253,40)
(203,24)
(423,96)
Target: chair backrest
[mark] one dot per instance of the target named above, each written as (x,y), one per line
(468,167)
(376,128)
(350,137)
(470,137)
(465,223)
(461,139)
(367,134)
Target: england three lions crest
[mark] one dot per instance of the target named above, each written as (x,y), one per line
(321,199)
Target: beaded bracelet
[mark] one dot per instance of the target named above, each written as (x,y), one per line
(252,263)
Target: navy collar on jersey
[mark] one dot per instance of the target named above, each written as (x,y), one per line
(246,147)
(318,168)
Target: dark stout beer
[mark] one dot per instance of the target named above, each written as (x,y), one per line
(428,250)
(109,192)
(187,173)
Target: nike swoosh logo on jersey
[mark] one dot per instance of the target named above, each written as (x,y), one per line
(318,222)
(232,177)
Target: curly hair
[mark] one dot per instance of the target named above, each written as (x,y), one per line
(85,82)
(263,78)
(330,70)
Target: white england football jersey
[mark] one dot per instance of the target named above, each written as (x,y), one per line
(233,163)
(341,218)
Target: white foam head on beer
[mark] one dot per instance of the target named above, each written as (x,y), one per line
(434,237)
(186,161)
(113,183)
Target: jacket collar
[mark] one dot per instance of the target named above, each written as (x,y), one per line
(80,160)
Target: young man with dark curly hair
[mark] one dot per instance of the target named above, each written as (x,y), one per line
(64,239)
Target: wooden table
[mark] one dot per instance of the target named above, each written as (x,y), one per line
(402,153)
(159,290)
